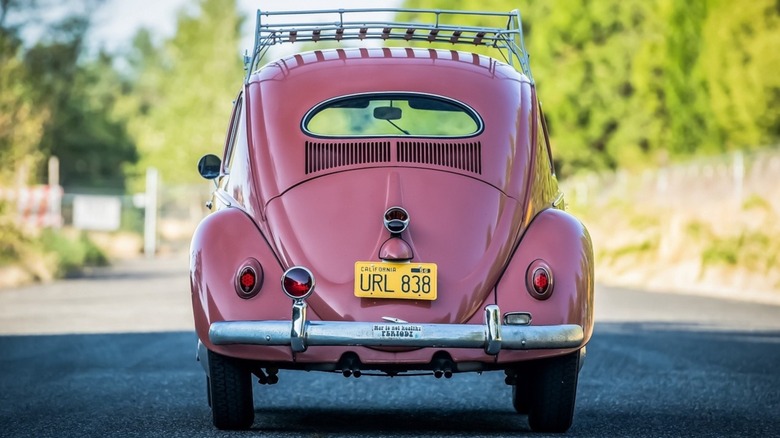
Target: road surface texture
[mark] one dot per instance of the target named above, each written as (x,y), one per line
(112,355)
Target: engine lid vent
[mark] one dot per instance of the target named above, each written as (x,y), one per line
(321,156)
(463,156)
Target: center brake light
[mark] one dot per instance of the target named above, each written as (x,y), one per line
(298,282)
(396,220)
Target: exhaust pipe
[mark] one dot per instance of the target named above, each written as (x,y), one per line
(442,367)
(350,365)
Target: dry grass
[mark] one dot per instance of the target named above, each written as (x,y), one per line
(689,227)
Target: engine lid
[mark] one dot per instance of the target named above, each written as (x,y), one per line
(464,226)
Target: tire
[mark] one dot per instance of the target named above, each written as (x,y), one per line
(230,393)
(553,393)
(521,396)
(208,390)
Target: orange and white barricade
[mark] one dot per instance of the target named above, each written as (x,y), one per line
(37,206)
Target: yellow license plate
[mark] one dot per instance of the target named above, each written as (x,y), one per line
(406,281)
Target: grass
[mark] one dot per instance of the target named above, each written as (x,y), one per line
(756,202)
(710,242)
(755,249)
(72,252)
(48,253)
(751,249)
(633,250)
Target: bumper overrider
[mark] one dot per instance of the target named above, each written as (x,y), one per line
(492,336)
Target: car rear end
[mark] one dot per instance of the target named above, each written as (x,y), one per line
(394,211)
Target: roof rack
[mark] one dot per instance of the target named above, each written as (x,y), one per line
(352,24)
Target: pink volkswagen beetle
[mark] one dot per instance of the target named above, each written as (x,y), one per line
(390,210)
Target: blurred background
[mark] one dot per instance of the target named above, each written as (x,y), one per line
(664,119)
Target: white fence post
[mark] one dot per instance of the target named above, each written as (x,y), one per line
(738,171)
(150,213)
(54,216)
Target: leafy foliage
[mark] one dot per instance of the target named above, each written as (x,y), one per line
(627,83)
(53,102)
(182,89)
(742,61)
(71,253)
(20,120)
(12,240)
(93,147)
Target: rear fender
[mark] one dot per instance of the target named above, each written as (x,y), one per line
(563,243)
(220,247)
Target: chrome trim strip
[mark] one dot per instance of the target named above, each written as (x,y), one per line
(224,198)
(492,337)
(558,200)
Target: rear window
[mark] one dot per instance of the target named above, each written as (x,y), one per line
(392,114)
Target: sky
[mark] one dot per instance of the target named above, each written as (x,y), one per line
(116,21)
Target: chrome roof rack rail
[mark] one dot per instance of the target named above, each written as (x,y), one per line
(353,24)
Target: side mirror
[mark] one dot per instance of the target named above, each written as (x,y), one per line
(209,166)
(387,113)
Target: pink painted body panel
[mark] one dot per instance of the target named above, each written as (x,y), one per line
(503,98)
(482,229)
(564,244)
(463,225)
(220,245)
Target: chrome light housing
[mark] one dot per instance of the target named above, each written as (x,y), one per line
(396,220)
(298,282)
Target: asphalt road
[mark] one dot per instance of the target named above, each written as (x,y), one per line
(113,355)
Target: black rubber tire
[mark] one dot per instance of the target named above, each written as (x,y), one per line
(521,395)
(553,393)
(230,391)
(208,390)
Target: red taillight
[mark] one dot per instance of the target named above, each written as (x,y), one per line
(249,278)
(297,282)
(539,280)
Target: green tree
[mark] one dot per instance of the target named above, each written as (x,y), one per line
(627,83)
(583,54)
(670,114)
(93,147)
(41,90)
(741,61)
(183,89)
(21,121)
(581,57)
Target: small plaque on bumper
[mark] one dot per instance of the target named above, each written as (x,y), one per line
(397,331)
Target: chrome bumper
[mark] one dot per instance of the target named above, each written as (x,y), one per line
(491,336)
